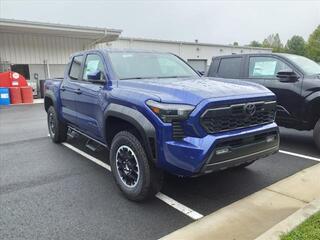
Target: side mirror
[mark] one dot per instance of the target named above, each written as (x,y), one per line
(287,76)
(96,77)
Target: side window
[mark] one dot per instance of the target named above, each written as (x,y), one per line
(75,68)
(213,68)
(230,67)
(93,64)
(266,67)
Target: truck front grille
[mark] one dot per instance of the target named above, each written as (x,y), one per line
(177,130)
(238,116)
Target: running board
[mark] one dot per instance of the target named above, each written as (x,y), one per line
(72,134)
(76,132)
(92,145)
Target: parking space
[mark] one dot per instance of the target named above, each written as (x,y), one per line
(51,190)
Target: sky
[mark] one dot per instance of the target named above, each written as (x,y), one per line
(220,22)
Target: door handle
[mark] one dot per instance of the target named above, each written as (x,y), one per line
(78,91)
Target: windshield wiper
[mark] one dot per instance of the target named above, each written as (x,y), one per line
(174,77)
(129,78)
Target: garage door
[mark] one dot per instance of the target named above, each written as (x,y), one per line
(198,64)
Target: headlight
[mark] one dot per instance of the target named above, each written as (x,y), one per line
(169,111)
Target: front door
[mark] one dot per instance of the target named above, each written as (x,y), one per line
(69,90)
(288,94)
(92,98)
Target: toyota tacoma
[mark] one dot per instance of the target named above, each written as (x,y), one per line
(155,113)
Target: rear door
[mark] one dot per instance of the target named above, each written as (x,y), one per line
(91,98)
(264,69)
(69,89)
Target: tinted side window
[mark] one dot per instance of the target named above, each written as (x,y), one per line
(266,67)
(213,68)
(75,68)
(230,67)
(93,64)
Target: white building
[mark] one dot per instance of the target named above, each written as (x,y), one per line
(41,50)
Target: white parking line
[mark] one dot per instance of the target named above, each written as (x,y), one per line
(180,207)
(300,155)
(93,159)
(166,199)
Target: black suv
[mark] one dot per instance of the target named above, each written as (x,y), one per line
(294,79)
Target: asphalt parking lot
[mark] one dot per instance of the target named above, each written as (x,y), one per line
(48,191)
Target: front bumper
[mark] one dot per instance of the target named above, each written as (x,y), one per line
(234,152)
(196,156)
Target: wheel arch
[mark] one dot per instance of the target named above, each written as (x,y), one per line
(49,100)
(313,113)
(118,117)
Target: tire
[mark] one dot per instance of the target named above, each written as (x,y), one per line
(243,165)
(137,178)
(316,134)
(57,129)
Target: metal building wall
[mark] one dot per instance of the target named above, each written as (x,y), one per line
(185,50)
(35,49)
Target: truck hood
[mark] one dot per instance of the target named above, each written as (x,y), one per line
(193,91)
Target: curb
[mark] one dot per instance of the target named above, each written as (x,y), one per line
(291,222)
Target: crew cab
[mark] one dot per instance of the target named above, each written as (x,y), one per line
(155,114)
(295,80)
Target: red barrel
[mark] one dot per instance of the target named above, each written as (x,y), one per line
(15,95)
(5,79)
(12,79)
(26,93)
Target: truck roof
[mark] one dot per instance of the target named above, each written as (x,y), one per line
(255,54)
(127,50)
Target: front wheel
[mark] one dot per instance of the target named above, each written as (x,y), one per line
(57,129)
(137,178)
(316,134)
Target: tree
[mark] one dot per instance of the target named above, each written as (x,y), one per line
(296,45)
(235,44)
(313,46)
(255,44)
(273,41)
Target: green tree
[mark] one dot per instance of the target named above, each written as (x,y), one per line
(313,46)
(235,44)
(296,45)
(273,41)
(255,44)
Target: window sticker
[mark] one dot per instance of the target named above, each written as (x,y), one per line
(267,68)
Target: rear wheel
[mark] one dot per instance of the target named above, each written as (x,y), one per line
(137,178)
(316,134)
(57,129)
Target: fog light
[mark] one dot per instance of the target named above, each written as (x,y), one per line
(221,151)
(270,138)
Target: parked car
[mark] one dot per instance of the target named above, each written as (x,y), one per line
(294,79)
(155,113)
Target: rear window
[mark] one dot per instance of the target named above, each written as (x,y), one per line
(75,68)
(230,67)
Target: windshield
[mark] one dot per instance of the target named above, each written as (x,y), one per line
(308,66)
(140,65)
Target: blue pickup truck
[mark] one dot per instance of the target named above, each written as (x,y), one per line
(155,114)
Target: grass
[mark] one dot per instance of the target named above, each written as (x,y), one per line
(308,230)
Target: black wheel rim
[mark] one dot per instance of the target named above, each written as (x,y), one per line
(127,166)
(51,124)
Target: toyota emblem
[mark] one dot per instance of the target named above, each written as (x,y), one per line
(250,109)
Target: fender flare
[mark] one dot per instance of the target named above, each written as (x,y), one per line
(139,121)
(313,102)
(49,94)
